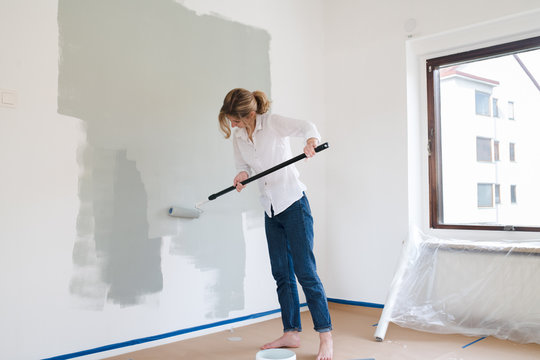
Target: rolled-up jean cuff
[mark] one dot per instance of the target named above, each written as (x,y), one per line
(292,329)
(324,329)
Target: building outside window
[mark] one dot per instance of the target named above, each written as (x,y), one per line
(497,193)
(510,110)
(495,107)
(485,195)
(467,127)
(483,149)
(482,103)
(512,148)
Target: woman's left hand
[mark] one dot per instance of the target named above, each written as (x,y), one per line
(309,149)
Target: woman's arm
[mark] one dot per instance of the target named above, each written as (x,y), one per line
(285,126)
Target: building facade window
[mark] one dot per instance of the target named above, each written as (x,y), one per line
(482,103)
(497,193)
(483,149)
(466,130)
(510,110)
(485,195)
(495,108)
(512,150)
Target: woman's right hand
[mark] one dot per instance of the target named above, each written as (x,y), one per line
(237,182)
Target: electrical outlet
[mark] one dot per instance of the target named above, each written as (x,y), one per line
(8,98)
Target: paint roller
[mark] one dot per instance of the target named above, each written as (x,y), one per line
(195,213)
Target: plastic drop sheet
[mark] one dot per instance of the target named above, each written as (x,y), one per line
(475,288)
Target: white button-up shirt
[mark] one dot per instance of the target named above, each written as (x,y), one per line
(269,148)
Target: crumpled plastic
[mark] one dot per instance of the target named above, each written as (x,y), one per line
(475,288)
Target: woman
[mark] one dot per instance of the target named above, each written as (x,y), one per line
(260,141)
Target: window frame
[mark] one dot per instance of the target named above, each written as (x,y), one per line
(434,127)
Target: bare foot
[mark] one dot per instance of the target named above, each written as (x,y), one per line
(290,339)
(326,346)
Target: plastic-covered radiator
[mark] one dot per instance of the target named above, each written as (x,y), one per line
(476,288)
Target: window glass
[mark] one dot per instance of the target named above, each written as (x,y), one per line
(510,110)
(495,107)
(485,195)
(497,193)
(512,152)
(483,149)
(513,196)
(482,103)
(467,127)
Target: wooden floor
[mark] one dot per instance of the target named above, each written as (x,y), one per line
(353,340)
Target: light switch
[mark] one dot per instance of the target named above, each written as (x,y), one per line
(8,98)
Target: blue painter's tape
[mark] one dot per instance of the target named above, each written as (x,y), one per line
(162,336)
(356,303)
(196,328)
(475,341)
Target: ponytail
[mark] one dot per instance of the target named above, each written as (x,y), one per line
(263,104)
(239,103)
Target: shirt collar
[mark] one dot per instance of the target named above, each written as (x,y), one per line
(242,133)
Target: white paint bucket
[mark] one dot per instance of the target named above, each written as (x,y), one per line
(275,354)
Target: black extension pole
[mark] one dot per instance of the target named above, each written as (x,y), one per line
(266,172)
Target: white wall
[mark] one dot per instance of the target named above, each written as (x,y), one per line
(39,190)
(376,116)
(344,64)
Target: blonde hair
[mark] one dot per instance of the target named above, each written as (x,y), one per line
(240,103)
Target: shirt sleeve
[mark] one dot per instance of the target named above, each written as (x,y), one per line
(285,126)
(239,162)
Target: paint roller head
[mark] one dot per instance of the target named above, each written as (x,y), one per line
(184,212)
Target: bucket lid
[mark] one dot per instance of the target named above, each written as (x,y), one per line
(276,354)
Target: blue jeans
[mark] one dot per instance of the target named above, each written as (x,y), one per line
(290,246)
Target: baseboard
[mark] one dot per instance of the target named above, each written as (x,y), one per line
(171,334)
(195,329)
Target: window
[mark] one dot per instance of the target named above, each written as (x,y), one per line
(512,148)
(497,193)
(468,189)
(483,149)
(485,195)
(513,197)
(482,103)
(495,107)
(510,110)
